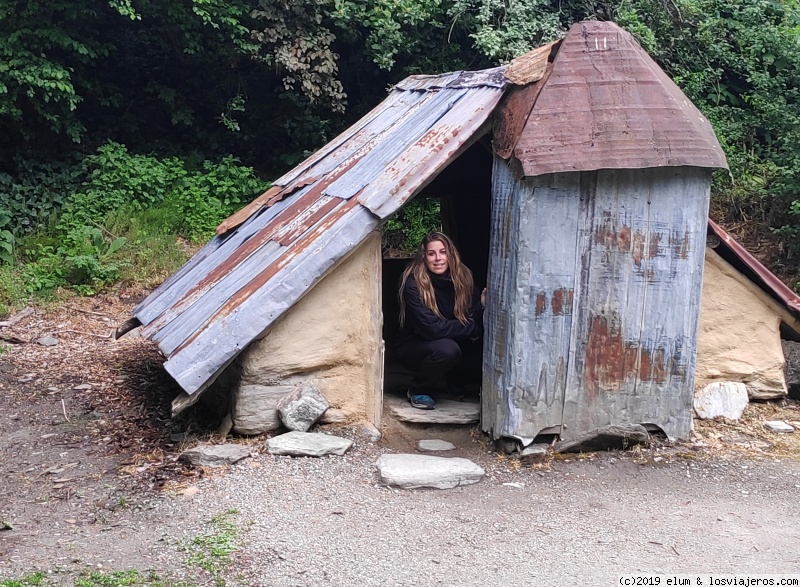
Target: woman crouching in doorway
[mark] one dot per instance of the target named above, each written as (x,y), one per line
(441,320)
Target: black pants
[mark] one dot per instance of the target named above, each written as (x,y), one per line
(433,361)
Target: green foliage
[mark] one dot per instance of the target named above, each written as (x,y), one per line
(145,196)
(36,192)
(6,239)
(32,580)
(405,230)
(504,29)
(92,578)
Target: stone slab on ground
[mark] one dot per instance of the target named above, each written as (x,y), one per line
(216,455)
(533,453)
(434,445)
(47,341)
(721,398)
(427,472)
(778,426)
(606,438)
(308,444)
(446,412)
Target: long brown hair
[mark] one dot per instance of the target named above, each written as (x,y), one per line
(460,275)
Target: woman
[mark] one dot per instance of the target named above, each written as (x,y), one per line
(441,317)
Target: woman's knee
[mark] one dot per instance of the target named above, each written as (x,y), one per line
(448,351)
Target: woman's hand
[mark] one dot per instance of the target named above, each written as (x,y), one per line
(483,298)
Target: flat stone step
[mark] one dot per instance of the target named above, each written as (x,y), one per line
(434,445)
(308,444)
(427,472)
(446,412)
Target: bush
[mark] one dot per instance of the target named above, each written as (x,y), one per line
(123,195)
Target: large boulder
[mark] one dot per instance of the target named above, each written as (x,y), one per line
(721,398)
(255,408)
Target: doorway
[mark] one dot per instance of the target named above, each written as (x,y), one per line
(463,193)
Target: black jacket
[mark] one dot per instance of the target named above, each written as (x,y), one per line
(424,323)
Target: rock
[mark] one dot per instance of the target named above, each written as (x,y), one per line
(301,408)
(308,444)
(47,341)
(434,444)
(778,426)
(82,387)
(373,434)
(606,438)
(335,416)
(533,453)
(446,412)
(721,398)
(254,408)
(216,455)
(426,471)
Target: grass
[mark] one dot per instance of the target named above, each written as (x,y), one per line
(88,578)
(210,551)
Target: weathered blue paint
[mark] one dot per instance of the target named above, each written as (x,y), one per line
(595,281)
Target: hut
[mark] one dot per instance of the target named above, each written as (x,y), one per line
(745,313)
(577,182)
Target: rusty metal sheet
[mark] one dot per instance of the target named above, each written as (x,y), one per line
(243,320)
(234,287)
(530,306)
(530,67)
(607,105)
(733,252)
(251,255)
(422,160)
(513,114)
(215,254)
(397,106)
(641,244)
(494,78)
(241,215)
(411,128)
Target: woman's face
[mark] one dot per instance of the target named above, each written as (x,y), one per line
(436,258)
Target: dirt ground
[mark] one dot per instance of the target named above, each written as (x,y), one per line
(90,472)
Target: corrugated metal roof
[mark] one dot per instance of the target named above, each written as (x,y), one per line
(271,253)
(735,254)
(607,105)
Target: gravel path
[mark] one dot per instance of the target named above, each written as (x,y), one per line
(328,522)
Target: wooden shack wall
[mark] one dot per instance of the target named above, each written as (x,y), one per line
(595,282)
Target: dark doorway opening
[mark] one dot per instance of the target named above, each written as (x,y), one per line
(463,190)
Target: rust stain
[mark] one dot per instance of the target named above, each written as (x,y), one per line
(291,232)
(680,244)
(262,278)
(611,361)
(258,240)
(638,248)
(541,303)
(655,241)
(562,302)
(624,238)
